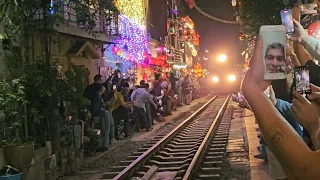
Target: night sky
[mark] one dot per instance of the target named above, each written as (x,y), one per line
(218,37)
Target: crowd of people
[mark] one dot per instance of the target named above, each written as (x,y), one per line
(290,130)
(118,107)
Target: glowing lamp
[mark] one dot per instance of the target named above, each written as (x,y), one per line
(314,30)
(215,79)
(222,58)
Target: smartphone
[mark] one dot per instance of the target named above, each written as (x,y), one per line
(308,8)
(274,51)
(114,87)
(302,80)
(287,21)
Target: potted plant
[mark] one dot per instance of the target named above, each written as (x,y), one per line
(18,151)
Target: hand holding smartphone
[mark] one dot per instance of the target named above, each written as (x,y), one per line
(287,21)
(274,51)
(302,80)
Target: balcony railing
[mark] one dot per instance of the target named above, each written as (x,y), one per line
(105,22)
(175,55)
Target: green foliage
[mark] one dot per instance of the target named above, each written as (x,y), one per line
(75,81)
(46,89)
(255,13)
(20,16)
(41,89)
(13,101)
(34,82)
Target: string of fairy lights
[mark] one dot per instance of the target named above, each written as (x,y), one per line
(133,36)
(132,9)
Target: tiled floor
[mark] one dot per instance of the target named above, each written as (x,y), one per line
(259,168)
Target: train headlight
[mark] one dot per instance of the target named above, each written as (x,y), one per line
(215,79)
(232,78)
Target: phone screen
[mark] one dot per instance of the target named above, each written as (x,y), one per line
(287,21)
(114,86)
(274,40)
(302,80)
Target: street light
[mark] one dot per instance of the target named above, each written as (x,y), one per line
(215,79)
(222,58)
(207,51)
(232,77)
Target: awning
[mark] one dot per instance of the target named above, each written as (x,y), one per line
(83,49)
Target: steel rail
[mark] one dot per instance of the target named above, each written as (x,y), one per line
(136,164)
(206,141)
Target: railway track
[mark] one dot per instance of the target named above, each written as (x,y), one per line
(192,150)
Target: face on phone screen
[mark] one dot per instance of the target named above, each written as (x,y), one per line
(274,54)
(302,80)
(287,21)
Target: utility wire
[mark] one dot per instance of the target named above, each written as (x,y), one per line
(214,18)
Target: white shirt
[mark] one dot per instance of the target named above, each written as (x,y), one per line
(312,46)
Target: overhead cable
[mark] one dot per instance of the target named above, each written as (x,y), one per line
(214,18)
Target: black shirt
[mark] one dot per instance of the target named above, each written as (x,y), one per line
(97,106)
(91,91)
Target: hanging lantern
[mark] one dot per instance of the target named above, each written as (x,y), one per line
(190,3)
(175,10)
(171,30)
(119,52)
(145,76)
(194,53)
(163,57)
(196,42)
(152,60)
(123,55)
(115,49)
(234,3)
(314,30)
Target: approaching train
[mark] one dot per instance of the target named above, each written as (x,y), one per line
(224,82)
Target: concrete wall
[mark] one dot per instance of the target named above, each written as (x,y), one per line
(59,52)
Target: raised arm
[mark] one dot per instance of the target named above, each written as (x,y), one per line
(304,45)
(293,154)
